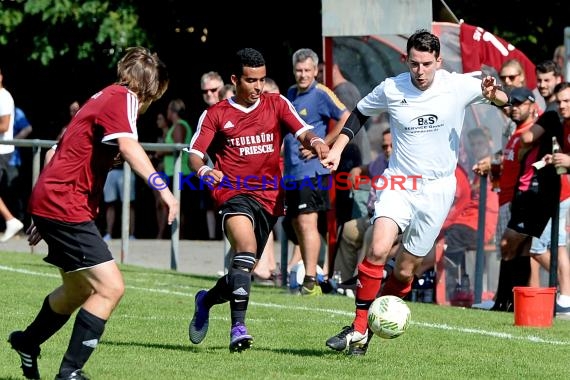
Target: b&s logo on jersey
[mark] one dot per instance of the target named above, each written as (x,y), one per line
(423,124)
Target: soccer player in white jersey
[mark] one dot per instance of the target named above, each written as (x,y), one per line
(426,107)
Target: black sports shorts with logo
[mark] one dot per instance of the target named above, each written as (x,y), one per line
(72,246)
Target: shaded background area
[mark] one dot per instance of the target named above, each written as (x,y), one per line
(178,28)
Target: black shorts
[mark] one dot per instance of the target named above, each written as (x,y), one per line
(530,212)
(460,238)
(287,225)
(72,246)
(308,195)
(261,219)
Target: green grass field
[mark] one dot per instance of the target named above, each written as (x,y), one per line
(147,336)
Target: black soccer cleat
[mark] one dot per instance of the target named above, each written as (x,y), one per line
(28,355)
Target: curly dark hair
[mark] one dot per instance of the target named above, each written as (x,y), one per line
(247,57)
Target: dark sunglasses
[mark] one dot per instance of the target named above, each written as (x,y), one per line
(511,77)
(206,90)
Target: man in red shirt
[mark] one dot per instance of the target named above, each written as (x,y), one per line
(524,116)
(244,134)
(64,205)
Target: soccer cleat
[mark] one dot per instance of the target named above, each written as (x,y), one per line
(28,355)
(340,341)
(75,375)
(199,323)
(316,291)
(13,226)
(239,338)
(359,343)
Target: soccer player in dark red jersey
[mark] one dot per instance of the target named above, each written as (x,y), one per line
(64,205)
(244,135)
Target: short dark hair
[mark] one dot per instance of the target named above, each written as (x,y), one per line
(561,87)
(247,57)
(549,66)
(422,40)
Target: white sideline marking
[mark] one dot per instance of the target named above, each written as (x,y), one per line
(439,326)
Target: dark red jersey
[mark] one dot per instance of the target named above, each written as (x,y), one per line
(245,145)
(69,188)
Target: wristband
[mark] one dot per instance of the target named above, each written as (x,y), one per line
(315,139)
(203,169)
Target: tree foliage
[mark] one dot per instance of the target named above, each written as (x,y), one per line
(86,30)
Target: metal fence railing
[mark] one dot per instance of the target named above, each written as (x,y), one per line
(39,146)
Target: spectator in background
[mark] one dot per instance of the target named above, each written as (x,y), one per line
(512,74)
(548,75)
(158,162)
(514,267)
(541,247)
(357,152)
(460,227)
(73,109)
(355,234)
(559,56)
(271,86)
(180,132)
(266,271)
(317,105)
(17,194)
(13,225)
(349,95)
(113,197)
(211,83)
(227,91)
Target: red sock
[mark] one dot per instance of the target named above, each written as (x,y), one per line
(367,288)
(394,287)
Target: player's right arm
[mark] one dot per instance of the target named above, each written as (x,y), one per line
(205,132)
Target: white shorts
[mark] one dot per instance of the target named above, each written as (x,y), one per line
(419,212)
(542,244)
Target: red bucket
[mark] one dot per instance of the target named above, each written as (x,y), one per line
(534,307)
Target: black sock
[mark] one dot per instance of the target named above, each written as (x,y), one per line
(46,324)
(309,282)
(220,293)
(87,331)
(239,281)
(504,286)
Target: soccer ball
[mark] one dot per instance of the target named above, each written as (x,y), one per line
(388,317)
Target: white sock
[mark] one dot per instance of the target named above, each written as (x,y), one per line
(563,300)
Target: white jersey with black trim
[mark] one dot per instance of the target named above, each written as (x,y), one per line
(425,125)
